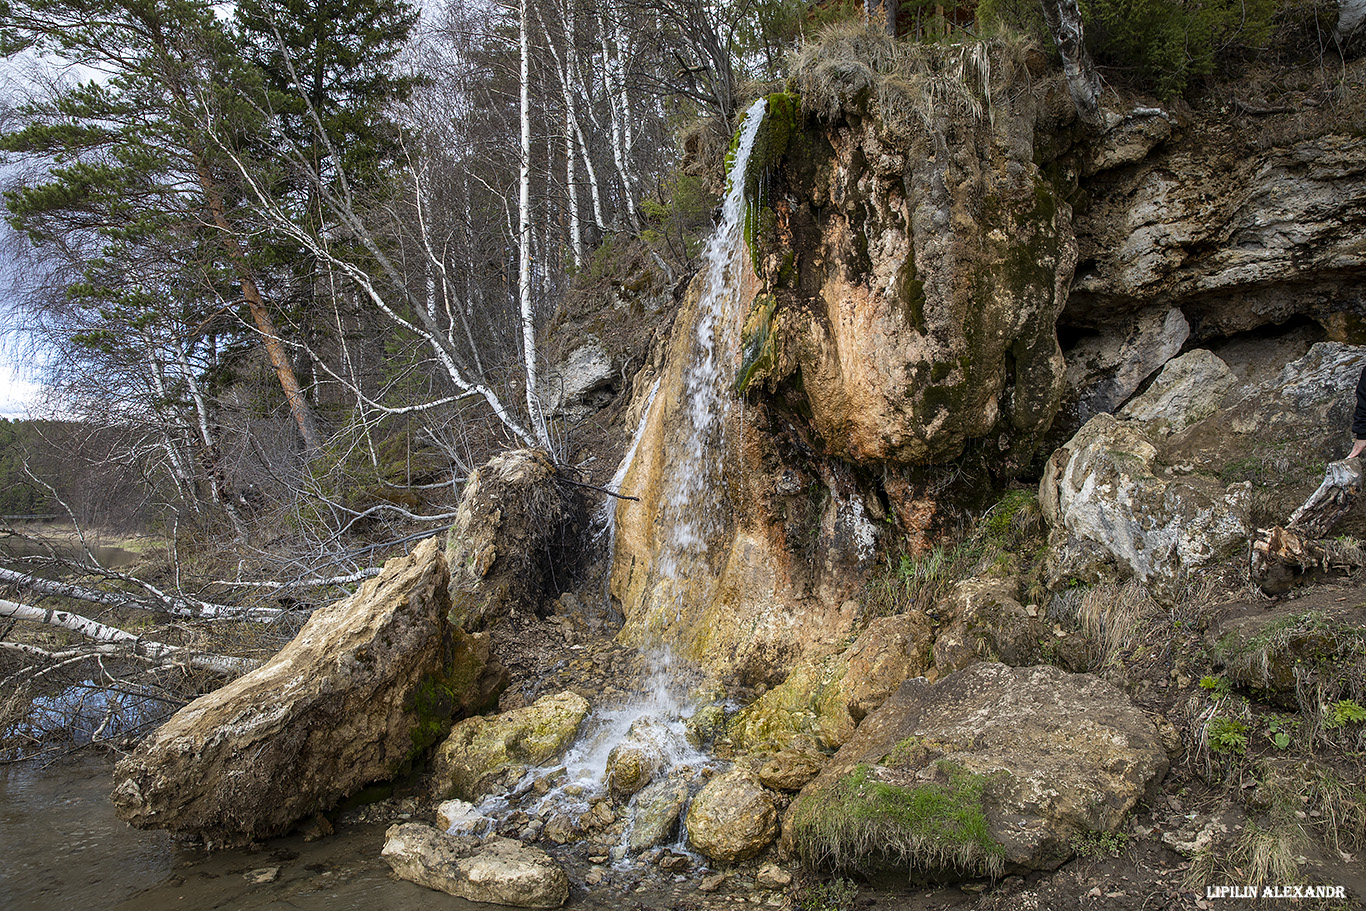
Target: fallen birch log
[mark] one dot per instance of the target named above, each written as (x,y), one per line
(135,646)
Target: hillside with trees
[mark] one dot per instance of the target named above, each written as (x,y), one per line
(831,349)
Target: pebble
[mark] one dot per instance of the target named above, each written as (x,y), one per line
(772,876)
(262,875)
(713,882)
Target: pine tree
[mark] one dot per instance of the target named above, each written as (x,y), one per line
(135,160)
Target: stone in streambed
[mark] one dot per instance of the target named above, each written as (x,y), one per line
(487,754)
(499,871)
(733,818)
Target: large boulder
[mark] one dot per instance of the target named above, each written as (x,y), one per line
(733,817)
(1169,484)
(991,768)
(1103,370)
(515,516)
(360,691)
(984,621)
(498,871)
(826,699)
(1189,389)
(1113,508)
(1293,649)
(488,754)
(1279,433)
(655,813)
(584,381)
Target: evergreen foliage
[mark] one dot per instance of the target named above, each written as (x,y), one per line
(20,495)
(1167,45)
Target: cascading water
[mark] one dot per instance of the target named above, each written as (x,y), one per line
(691,507)
(655,720)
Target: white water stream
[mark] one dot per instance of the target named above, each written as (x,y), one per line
(655,718)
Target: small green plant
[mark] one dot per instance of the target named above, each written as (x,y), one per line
(1214,685)
(1279,730)
(835,895)
(1092,845)
(1344,712)
(1226,735)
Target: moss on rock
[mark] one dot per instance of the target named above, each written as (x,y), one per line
(867,823)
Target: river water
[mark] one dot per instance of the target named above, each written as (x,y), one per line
(61,846)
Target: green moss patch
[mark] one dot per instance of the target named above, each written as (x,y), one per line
(782,116)
(758,342)
(442,695)
(864,823)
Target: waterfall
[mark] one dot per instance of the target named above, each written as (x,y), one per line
(656,717)
(690,513)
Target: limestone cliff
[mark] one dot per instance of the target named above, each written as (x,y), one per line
(921,223)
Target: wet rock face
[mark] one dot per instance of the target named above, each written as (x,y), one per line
(1237,236)
(733,817)
(1017,760)
(336,709)
(489,753)
(928,266)
(498,871)
(655,813)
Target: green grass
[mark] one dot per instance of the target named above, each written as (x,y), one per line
(863,823)
(1001,541)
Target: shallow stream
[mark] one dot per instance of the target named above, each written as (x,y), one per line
(63,847)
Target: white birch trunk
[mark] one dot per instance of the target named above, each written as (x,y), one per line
(179,471)
(136,645)
(198,611)
(1064,23)
(210,444)
(1351,16)
(524,300)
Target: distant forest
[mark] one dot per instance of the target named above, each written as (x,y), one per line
(77,463)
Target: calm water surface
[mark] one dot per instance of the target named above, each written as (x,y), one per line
(62,847)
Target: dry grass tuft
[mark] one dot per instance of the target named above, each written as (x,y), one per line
(913,86)
(1113,616)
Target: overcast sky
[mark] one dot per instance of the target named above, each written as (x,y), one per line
(15,392)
